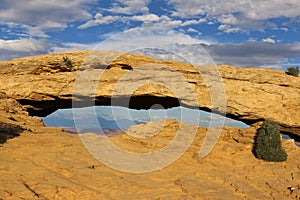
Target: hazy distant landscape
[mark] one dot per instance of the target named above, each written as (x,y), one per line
(120,118)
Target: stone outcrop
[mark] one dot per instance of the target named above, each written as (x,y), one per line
(39,162)
(48,163)
(43,84)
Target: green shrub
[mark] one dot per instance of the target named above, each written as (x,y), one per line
(293,71)
(68,63)
(267,143)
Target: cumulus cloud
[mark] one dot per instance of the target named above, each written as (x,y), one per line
(130,7)
(253,54)
(228,28)
(169,44)
(22,47)
(149,20)
(255,10)
(192,30)
(159,43)
(145,18)
(196,51)
(164,22)
(53,14)
(192,22)
(244,14)
(98,20)
(66,46)
(33,31)
(269,40)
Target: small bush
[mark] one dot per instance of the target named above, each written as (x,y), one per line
(267,143)
(8,131)
(293,71)
(68,63)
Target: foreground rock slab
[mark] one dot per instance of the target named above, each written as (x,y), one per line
(48,163)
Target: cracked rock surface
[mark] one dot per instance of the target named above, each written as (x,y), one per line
(38,162)
(250,95)
(48,163)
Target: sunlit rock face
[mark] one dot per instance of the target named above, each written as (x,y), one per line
(251,95)
(47,162)
(39,162)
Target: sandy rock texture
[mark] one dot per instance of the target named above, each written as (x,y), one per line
(38,162)
(43,84)
(48,163)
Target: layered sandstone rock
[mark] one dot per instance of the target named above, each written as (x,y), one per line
(48,163)
(251,95)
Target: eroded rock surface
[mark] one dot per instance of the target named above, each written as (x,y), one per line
(43,84)
(48,163)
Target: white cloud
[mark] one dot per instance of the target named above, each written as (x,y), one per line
(168,44)
(53,14)
(245,14)
(159,43)
(191,22)
(149,20)
(72,46)
(146,18)
(202,20)
(228,19)
(191,30)
(22,47)
(164,22)
(269,40)
(253,54)
(35,32)
(27,31)
(250,9)
(98,20)
(228,28)
(130,7)
(186,9)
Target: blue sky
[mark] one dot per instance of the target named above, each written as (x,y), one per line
(243,33)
